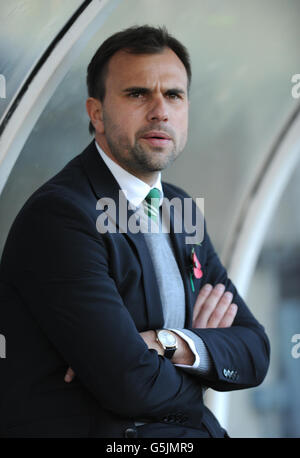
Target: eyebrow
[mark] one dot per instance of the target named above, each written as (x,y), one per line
(146,90)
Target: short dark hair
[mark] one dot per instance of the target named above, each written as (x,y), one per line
(136,40)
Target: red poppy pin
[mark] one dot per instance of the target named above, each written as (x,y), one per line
(195,271)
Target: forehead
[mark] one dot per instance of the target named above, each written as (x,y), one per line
(126,69)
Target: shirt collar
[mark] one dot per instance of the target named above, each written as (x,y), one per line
(135,189)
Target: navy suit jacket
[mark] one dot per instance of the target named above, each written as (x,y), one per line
(71,296)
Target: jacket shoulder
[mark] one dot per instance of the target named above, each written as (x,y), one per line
(174,190)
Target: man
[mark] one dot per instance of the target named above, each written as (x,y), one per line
(82,308)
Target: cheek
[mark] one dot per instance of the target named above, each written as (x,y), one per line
(128,121)
(181,123)
(132,125)
(180,126)
(117,123)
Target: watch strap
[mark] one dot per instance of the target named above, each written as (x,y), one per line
(169,352)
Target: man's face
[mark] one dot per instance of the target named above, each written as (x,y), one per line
(145,111)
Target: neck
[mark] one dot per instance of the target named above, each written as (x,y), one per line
(148,177)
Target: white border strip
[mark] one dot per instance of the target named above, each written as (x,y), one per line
(46,81)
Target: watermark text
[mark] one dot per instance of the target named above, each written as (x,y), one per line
(296,88)
(295,352)
(182,215)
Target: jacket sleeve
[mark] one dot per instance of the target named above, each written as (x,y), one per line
(60,267)
(240,353)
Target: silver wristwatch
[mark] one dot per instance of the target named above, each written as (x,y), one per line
(168,341)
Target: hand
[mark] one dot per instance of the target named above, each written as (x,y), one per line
(213,308)
(70,374)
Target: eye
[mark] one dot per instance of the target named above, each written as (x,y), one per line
(137,94)
(174,95)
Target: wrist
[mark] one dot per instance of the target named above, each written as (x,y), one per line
(183,354)
(149,338)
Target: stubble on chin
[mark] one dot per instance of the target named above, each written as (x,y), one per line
(137,157)
(152,159)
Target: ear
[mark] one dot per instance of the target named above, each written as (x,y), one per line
(94,110)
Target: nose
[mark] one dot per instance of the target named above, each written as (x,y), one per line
(158,110)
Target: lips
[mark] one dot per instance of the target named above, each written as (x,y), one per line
(157,138)
(157,134)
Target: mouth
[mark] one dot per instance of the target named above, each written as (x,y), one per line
(157,138)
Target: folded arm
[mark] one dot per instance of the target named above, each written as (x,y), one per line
(213,308)
(233,343)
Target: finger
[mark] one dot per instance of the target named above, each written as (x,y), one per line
(202,296)
(229,316)
(220,310)
(209,305)
(70,374)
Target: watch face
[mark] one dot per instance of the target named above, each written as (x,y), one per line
(167,339)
